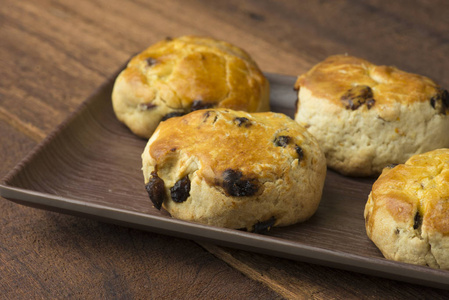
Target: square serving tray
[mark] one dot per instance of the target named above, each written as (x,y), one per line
(90,166)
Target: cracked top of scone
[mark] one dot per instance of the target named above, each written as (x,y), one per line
(176,76)
(352,82)
(407,214)
(222,139)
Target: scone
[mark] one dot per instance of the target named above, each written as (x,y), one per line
(407,213)
(234,169)
(176,76)
(366,117)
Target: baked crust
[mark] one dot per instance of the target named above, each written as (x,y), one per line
(366,116)
(243,169)
(176,76)
(407,212)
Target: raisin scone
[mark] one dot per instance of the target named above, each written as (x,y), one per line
(367,116)
(234,169)
(407,213)
(176,76)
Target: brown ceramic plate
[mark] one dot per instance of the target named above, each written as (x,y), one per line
(90,166)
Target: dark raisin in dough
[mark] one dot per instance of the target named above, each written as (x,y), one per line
(156,190)
(282,141)
(172,114)
(370,103)
(358,96)
(242,121)
(300,152)
(440,102)
(236,186)
(151,61)
(199,104)
(417,222)
(181,190)
(264,226)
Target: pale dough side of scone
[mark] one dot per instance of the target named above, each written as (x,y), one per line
(245,170)
(176,76)
(399,114)
(407,212)
(360,143)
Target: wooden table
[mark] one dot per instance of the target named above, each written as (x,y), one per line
(54,53)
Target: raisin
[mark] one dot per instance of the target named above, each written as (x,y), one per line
(172,114)
(370,103)
(151,61)
(198,104)
(181,190)
(235,185)
(282,141)
(156,190)
(417,221)
(264,226)
(357,96)
(242,121)
(299,151)
(146,106)
(440,101)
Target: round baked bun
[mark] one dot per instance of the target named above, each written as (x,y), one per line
(366,117)
(176,76)
(234,169)
(407,213)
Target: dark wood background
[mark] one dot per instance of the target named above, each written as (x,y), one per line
(53,54)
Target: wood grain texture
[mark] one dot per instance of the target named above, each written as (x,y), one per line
(64,257)
(55,53)
(301,280)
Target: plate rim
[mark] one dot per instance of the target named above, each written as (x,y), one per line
(231,238)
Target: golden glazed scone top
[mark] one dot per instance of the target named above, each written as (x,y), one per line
(234,169)
(255,144)
(341,78)
(416,192)
(197,71)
